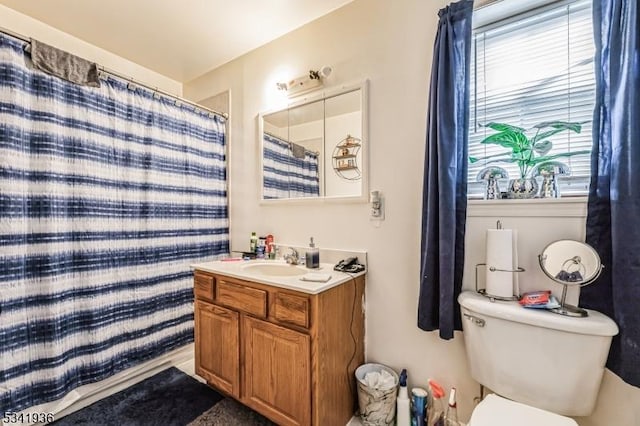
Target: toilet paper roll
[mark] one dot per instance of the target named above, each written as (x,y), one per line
(500,254)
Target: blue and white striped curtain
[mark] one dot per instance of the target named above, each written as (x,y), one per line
(284,175)
(106,196)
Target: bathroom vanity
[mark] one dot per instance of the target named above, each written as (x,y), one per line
(284,347)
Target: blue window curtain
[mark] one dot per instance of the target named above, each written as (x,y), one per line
(107,195)
(614,195)
(284,174)
(444,201)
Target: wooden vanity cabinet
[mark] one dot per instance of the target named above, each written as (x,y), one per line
(277,371)
(289,355)
(216,327)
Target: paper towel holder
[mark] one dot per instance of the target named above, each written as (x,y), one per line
(483,291)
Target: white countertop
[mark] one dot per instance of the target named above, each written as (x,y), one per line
(239,269)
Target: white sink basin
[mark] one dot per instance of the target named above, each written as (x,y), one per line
(275,269)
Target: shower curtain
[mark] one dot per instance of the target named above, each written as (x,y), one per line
(285,175)
(107,195)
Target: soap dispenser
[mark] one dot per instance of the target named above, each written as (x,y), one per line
(312,256)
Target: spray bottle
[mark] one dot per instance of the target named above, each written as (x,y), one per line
(403,416)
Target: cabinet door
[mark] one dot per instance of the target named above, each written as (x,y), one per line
(217,346)
(277,373)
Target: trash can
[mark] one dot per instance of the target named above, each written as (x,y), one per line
(377,401)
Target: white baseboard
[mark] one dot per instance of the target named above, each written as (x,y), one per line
(88,394)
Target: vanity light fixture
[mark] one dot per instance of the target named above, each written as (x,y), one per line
(305,83)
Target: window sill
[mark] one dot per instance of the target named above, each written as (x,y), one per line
(537,207)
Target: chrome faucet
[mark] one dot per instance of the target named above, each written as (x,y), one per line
(293,257)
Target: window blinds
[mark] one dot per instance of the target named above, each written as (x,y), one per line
(529,70)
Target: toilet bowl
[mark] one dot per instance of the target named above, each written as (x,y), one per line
(497,411)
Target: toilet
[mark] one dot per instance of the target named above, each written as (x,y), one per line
(541,366)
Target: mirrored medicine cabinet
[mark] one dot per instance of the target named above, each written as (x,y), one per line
(316,148)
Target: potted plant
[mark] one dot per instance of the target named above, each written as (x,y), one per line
(526,151)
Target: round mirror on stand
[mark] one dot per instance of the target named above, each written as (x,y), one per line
(570,263)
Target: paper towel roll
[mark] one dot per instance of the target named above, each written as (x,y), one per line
(500,254)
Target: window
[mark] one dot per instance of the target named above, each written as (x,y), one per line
(529,69)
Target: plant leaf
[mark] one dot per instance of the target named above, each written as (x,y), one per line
(542,147)
(558,126)
(503,127)
(545,135)
(502,160)
(476,159)
(518,156)
(551,157)
(561,125)
(508,139)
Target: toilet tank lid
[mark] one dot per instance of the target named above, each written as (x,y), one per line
(596,324)
(497,411)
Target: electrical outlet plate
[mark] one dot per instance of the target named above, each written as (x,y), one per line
(377,205)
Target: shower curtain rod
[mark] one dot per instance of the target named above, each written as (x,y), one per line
(129,79)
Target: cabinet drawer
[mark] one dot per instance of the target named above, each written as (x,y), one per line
(242,298)
(291,309)
(203,286)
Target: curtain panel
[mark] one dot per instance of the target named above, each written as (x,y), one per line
(285,175)
(614,200)
(107,195)
(444,200)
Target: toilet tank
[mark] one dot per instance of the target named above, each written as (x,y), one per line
(535,357)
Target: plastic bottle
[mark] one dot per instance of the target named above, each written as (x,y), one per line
(261,249)
(436,415)
(451,418)
(312,256)
(253,243)
(419,398)
(403,416)
(269,245)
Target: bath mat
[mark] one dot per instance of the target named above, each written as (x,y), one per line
(170,398)
(229,412)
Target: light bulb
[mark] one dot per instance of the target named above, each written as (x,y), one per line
(325,71)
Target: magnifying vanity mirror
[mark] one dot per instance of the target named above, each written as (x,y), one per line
(316,148)
(570,263)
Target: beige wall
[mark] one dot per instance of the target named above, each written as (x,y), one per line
(389,43)
(29,27)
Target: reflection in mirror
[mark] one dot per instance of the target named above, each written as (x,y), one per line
(343,127)
(314,149)
(570,263)
(291,152)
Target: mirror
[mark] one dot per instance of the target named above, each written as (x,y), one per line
(315,148)
(570,263)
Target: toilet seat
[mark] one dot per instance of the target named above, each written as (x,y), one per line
(495,410)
